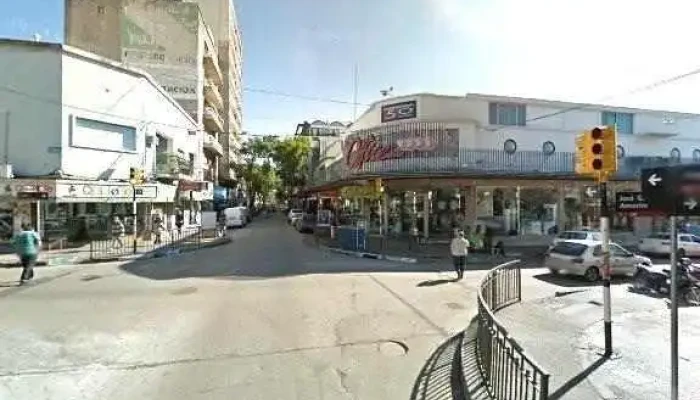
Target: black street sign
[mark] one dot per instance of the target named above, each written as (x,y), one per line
(673,190)
(633,202)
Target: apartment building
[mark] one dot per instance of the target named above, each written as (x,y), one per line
(98,120)
(220,15)
(499,160)
(175,43)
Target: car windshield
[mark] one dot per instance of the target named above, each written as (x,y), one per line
(569,248)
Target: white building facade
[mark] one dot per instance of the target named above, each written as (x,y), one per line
(74,126)
(501,161)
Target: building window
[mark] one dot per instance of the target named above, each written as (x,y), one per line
(100,9)
(506,114)
(548,148)
(620,151)
(675,154)
(623,121)
(696,155)
(510,146)
(101,135)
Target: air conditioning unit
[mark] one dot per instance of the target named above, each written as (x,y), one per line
(6,171)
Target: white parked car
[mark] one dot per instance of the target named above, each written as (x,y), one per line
(660,243)
(576,235)
(293,214)
(235,217)
(585,257)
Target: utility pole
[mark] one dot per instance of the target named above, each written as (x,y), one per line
(674,307)
(596,156)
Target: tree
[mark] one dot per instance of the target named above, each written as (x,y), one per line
(260,177)
(291,156)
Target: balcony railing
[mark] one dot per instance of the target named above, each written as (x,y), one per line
(212,120)
(487,163)
(212,95)
(171,165)
(212,143)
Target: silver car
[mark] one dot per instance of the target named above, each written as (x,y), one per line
(585,258)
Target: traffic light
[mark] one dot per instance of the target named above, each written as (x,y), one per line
(596,152)
(136,176)
(378,185)
(604,150)
(583,154)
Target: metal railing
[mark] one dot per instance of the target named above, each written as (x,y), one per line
(114,246)
(508,372)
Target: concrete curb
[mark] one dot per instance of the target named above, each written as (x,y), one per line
(154,254)
(374,256)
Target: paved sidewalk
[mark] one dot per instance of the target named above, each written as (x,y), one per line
(81,255)
(565,335)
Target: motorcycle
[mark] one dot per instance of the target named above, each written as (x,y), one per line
(657,278)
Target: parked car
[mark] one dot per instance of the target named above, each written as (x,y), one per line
(660,243)
(583,234)
(235,217)
(293,214)
(306,223)
(585,257)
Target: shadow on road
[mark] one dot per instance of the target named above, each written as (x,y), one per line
(576,380)
(435,282)
(577,281)
(269,249)
(451,372)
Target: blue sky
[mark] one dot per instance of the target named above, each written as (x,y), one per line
(569,50)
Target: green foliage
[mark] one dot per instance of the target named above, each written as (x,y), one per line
(274,164)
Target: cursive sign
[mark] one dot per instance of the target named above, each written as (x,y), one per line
(358,151)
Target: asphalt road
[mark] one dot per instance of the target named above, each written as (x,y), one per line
(264,317)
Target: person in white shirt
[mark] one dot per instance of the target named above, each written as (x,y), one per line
(459,248)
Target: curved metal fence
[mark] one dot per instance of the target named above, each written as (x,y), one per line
(508,372)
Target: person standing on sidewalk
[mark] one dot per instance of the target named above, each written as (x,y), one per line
(27,244)
(459,248)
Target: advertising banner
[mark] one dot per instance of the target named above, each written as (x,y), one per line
(161,37)
(409,140)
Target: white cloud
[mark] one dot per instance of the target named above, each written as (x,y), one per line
(583,50)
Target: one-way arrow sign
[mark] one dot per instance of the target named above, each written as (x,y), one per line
(654,179)
(591,191)
(690,204)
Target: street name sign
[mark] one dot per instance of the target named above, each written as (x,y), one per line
(631,202)
(673,190)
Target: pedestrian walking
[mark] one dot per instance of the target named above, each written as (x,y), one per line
(459,248)
(27,244)
(179,221)
(118,233)
(158,229)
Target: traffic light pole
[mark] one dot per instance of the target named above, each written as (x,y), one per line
(605,233)
(134,210)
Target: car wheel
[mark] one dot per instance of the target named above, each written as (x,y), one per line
(592,274)
(554,271)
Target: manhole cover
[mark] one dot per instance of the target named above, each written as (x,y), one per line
(393,348)
(455,306)
(184,290)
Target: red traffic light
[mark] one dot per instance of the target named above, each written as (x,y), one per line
(596,133)
(597,164)
(597,148)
